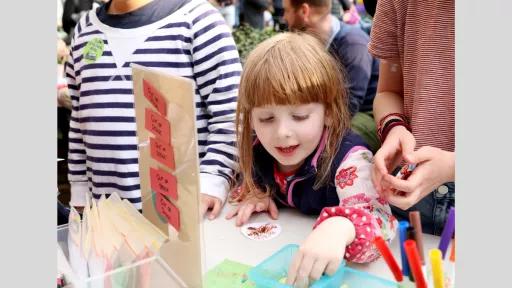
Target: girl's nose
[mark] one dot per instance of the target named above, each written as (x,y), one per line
(283,130)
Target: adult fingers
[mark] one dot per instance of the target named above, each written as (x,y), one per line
(376,178)
(380,159)
(423,154)
(407,145)
(404,202)
(399,184)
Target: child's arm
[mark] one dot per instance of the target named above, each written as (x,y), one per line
(360,203)
(345,231)
(217,72)
(76,155)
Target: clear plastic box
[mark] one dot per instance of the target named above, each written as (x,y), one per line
(273,269)
(151,272)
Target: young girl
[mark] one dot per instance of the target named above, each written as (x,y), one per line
(304,155)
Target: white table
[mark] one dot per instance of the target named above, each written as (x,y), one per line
(222,239)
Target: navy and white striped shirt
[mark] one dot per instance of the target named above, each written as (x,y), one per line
(193,42)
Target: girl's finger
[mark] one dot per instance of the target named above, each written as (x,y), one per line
(243,216)
(294,268)
(318,269)
(232,213)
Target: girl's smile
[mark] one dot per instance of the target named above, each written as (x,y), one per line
(287,151)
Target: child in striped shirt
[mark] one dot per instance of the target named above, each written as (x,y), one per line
(186,38)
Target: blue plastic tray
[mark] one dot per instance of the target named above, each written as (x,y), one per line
(268,273)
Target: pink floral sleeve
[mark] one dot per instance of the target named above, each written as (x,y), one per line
(360,203)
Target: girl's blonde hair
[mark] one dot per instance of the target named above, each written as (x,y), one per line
(290,69)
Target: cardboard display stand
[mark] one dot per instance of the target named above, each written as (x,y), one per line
(169,166)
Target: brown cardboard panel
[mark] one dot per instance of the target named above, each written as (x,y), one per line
(183,252)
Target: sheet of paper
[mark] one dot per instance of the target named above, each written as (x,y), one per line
(228,274)
(76,258)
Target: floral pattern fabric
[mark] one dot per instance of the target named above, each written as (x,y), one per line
(360,203)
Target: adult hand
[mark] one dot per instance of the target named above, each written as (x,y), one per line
(322,251)
(208,202)
(434,167)
(398,143)
(253,204)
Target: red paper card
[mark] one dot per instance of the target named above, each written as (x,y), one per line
(161,152)
(155,97)
(168,210)
(158,125)
(163,182)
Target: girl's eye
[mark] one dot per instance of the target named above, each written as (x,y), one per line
(267,119)
(300,117)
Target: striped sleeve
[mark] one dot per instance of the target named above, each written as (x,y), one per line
(76,156)
(384,40)
(217,71)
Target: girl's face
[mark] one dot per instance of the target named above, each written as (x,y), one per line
(289,132)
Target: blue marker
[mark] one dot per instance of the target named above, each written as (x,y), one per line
(402,230)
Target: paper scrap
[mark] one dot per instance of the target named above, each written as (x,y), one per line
(158,125)
(228,274)
(154,97)
(168,210)
(162,152)
(163,182)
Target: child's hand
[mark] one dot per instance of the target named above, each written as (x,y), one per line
(207,202)
(434,167)
(322,251)
(398,143)
(245,209)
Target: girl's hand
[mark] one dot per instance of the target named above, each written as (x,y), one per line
(398,143)
(434,167)
(322,251)
(245,209)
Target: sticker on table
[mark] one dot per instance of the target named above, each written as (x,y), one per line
(154,97)
(168,210)
(163,182)
(161,152)
(261,230)
(158,125)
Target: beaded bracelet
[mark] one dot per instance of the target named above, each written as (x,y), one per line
(386,126)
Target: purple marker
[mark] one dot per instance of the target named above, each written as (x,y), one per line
(449,228)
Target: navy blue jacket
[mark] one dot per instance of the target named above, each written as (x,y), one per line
(349,46)
(299,187)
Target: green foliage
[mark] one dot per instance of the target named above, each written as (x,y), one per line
(247,38)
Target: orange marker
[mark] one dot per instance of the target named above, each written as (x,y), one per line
(452,252)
